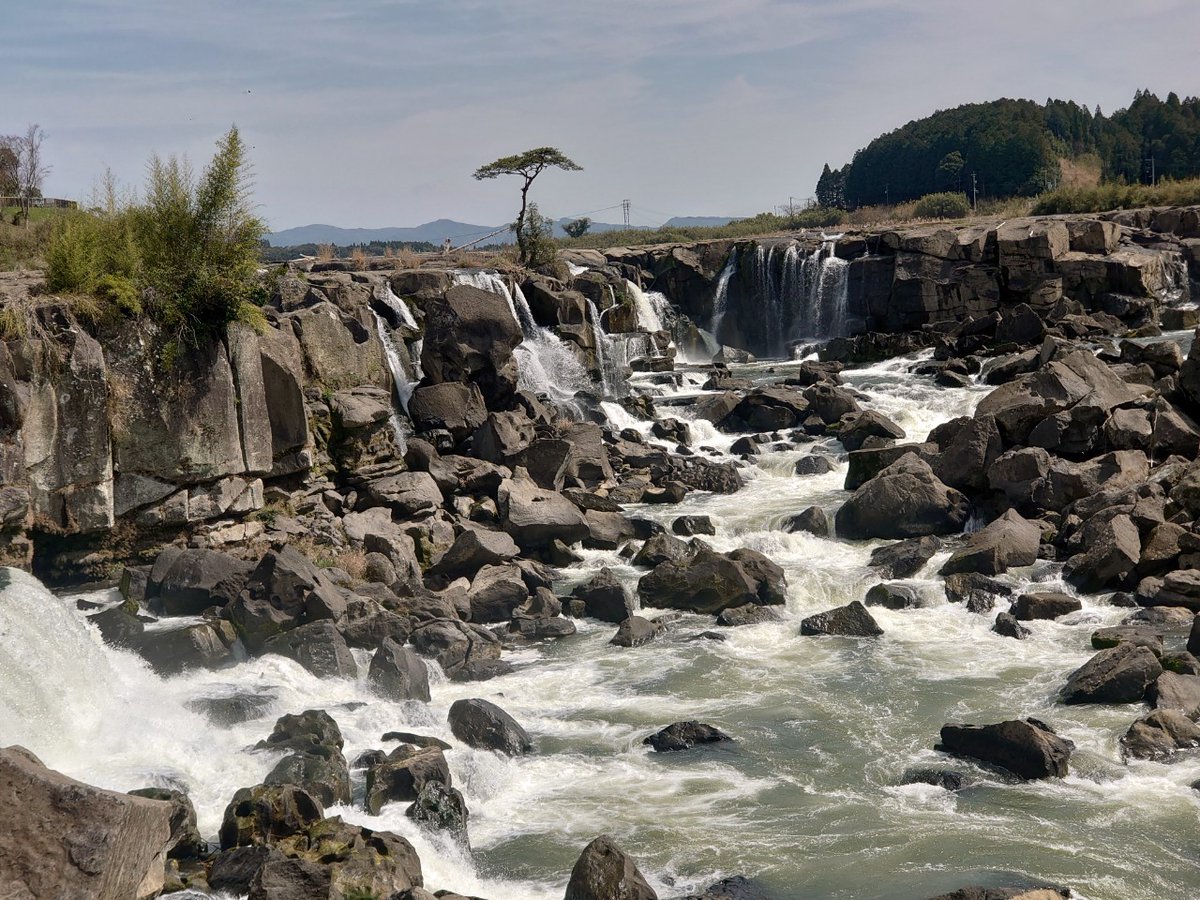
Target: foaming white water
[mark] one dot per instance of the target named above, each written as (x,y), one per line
(397,306)
(403,384)
(546,365)
(647,315)
(721,297)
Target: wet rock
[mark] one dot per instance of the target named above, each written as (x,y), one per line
(1159,735)
(893,596)
(186,842)
(540,617)
(473,549)
(636,631)
(943,778)
(357,859)
(813,520)
(187,582)
(284,878)
(856,428)
(455,645)
(1006,625)
(1009,541)
(225,712)
(691,525)
(604,872)
(1140,636)
(738,887)
(750,614)
(451,407)
(397,673)
(233,871)
(904,500)
(279,593)
(1172,690)
(403,775)
(977,591)
(705,582)
(264,814)
(852,620)
(442,808)
(481,724)
(1025,747)
(1045,605)
(173,650)
(814,464)
(684,736)
(417,740)
(660,548)
(906,558)
(535,517)
(1120,674)
(605,597)
(1182,663)
(319,647)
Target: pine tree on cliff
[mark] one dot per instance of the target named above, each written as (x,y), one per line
(529,165)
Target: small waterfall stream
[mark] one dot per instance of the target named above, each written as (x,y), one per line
(404,381)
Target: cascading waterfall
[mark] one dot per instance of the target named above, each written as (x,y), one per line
(721,298)
(647,316)
(545,364)
(801,294)
(403,382)
(612,376)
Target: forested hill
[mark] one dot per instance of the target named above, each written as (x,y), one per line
(1014,148)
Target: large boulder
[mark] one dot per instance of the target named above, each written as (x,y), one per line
(470,335)
(1010,540)
(604,872)
(851,620)
(453,407)
(317,646)
(605,597)
(1045,605)
(906,558)
(403,775)
(536,517)
(1160,734)
(63,838)
(704,581)
(473,549)
(904,500)
(187,582)
(398,673)
(1113,551)
(482,724)
(1120,674)
(1025,747)
(264,814)
(458,647)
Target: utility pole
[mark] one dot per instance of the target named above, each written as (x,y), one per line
(625,210)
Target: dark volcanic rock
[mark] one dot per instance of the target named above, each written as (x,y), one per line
(1160,734)
(1024,747)
(904,500)
(481,724)
(684,736)
(943,778)
(1009,541)
(852,620)
(1119,674)
(604,872)
(906,558)
(398,673)
(892,596)
(813,520)
(1006,625)
(605,597)
(1045,605)
(750,614)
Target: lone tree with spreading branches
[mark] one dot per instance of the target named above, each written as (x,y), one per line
(577,228)
(529,165)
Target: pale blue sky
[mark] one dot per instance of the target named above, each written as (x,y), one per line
(365,113)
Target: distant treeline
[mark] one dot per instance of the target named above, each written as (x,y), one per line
(1013,149)
(374,248)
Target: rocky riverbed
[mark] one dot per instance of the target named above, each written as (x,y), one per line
(447,576)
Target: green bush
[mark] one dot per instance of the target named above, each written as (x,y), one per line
(186,256)
(944,205)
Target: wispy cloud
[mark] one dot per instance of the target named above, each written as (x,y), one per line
(376,112)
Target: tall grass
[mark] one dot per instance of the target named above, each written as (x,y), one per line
(1113,195)
(763,223)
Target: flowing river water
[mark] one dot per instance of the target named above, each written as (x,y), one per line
(806,799)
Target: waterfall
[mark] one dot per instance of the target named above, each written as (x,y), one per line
(404,379)
(794,293)
(612,373)
(545,364)
(721,298)
(647,316)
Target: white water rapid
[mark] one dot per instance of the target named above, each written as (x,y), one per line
(806,799)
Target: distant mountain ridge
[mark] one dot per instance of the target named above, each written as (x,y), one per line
(438,230)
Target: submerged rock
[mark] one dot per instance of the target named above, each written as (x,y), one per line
(684,736)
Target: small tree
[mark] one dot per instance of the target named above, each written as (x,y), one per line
(577,228)
(536,235)
(31,169)
(529,165)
